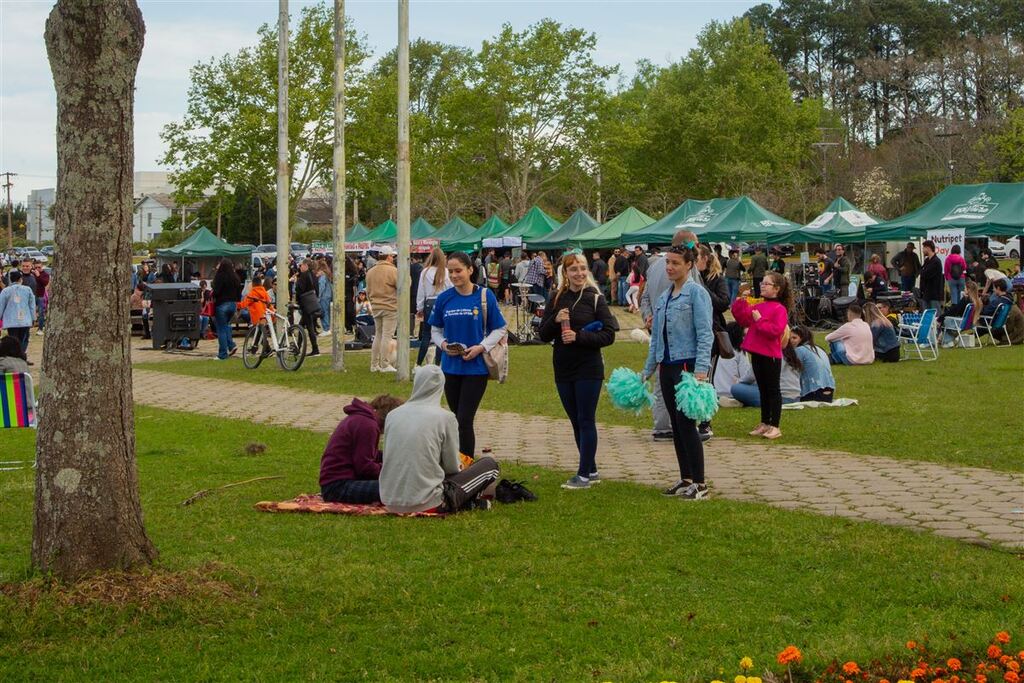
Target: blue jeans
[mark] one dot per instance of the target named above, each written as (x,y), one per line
(750,396)
(41,311)
(623,288)
(733,283)
(579,399)
(837,353)
(907,283)
(325,318)
(956,290)
(222,315)
(352,491)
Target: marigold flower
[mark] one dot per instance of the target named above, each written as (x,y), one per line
(953,664)
(746,663)
(883,680)
(851,668)
(938,680)
(980,678)
(1003,637)
(1012,665)
(790,654)
(1011,677)
(753,679)
(1020,655)
(994,651)
(717,681)
(1004,659)
(917,673)
(911,645)
(740,679)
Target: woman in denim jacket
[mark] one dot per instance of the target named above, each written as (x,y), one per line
(681,340)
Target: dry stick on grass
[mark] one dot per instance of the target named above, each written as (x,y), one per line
(205,492)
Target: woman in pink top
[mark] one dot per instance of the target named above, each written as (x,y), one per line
(853,343)
(766,325)
(955,270)
(875,268)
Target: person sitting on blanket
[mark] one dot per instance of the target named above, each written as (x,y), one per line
(816,380)
(350,466)
(421,455)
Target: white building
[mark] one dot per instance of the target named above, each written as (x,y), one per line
(151,182)
(39,226)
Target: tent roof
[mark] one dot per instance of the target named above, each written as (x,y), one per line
(981,210)
(742,219)
(534,224)
(357,233)
(661,230)
(421,229)
(203,243)
(841,221)
(454,230)
(385,232)
(607,234)
(579,222)
(491,227)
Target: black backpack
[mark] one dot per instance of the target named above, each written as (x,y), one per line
(956,270)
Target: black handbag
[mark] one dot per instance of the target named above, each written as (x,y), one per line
(724,344)
(309,304)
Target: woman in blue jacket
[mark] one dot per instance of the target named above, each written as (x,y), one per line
(816,380)
(681,340)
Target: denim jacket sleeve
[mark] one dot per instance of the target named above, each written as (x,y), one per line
(656,351)
(702,321)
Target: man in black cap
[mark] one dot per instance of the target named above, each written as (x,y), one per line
(909,265)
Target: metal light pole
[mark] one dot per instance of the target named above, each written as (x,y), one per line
(403,190)
(338,303)
(283,172)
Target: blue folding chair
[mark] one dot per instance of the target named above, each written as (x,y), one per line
(965,328)
(997,323)
(920,337)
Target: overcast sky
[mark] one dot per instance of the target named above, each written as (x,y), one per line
(180,33)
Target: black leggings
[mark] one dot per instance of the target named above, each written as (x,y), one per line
(464,393)
(766,373)
(309,323)
(689,449)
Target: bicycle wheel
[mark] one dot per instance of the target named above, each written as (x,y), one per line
(293,348)
(252,352)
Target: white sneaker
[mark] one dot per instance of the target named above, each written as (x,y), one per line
(325,333)
(374,368)
(389,368)
(39,333)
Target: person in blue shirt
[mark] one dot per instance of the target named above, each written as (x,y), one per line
(816,380)
(17,309)
(681,339)
(458,327)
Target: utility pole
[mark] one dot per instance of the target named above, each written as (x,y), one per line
(259,217)
(402,187)
(355,209)
(338,302)
(10,215)
(39,222)
(283,246)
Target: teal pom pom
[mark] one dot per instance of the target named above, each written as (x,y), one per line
(628,391)
(697,400)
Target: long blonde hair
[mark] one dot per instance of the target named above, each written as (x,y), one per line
(563,279)
(714,265)
(439,263)
(873,315)
(972,294)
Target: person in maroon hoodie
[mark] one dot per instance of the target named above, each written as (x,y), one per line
(350,466)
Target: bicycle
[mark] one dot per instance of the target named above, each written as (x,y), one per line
(289,346)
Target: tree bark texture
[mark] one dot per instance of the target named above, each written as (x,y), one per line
(87,511)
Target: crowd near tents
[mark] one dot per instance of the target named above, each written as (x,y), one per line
(980,210)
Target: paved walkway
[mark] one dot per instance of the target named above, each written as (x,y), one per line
(972,504)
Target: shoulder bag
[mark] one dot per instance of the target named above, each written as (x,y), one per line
(496,359)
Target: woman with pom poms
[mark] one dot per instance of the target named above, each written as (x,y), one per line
(681,340)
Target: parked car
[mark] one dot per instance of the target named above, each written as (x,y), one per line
(48,250)
(35,255)
(1008,249)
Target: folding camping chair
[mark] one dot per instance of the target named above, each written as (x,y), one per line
(996,323)
(17,409)
(920,336)
(965,328)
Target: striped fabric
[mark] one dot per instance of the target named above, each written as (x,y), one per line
(17,401)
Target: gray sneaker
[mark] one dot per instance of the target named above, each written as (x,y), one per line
(694,492)
(577,482)
(594,478)
(677,488)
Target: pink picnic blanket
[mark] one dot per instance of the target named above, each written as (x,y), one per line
(313,503)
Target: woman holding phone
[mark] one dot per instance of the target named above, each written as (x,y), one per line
(578,321)
(681,340)
(464,323)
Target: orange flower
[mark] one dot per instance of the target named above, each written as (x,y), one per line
(980,678)
(918,673)
(1003,637)
(1012,665)
(994,651)
(911,645)
(851,668)
(1011,677)
(883,680)
(953,664)
(790,654)
(938,680)
(1004,659)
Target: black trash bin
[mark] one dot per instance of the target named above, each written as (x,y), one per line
(174,314)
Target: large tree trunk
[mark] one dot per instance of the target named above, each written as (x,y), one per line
(87,512)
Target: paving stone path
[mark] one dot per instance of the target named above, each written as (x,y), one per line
(968,503)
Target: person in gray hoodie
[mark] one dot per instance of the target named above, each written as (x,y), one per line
(421,454)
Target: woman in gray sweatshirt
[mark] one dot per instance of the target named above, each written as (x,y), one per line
(421,454)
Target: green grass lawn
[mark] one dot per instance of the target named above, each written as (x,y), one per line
(963,409)
(614,584)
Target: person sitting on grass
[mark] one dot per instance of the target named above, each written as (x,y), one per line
(350,465)
(421,455)
(12,357)
(816,380)
(256,302)
(852,344)
(883,334)
(728,371)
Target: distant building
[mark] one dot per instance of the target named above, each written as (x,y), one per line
(313,212)
(151,182)
(152,210)
(39,226)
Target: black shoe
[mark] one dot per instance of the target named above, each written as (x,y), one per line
(512,492)
(480,504)
(705,432)
(662,436)
(677,488)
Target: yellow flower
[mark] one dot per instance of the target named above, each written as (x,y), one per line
(740,679)
(904,681)
(753,679)
(746,663)
(717,681)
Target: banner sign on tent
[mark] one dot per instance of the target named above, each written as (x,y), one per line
(358,246)
(424,245)
(321,248)
(699,219)
(975,208)
(857,219)
(944,241)
(631,247)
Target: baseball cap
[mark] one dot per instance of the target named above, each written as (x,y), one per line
(386,250)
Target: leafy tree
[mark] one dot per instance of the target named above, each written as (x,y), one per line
(228,136)
(1007,148)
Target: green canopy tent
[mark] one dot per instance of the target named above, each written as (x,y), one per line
(606,235)
(201,253)
(383,233)
(491,227)
(533,225)
(357,233)
(421,229)
(840,222)
(662,230)
(453,231)
(981,210)
(578,223)
(741,219)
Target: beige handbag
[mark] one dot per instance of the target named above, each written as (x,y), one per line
(496,359)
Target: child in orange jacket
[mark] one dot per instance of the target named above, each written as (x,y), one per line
(257,301)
